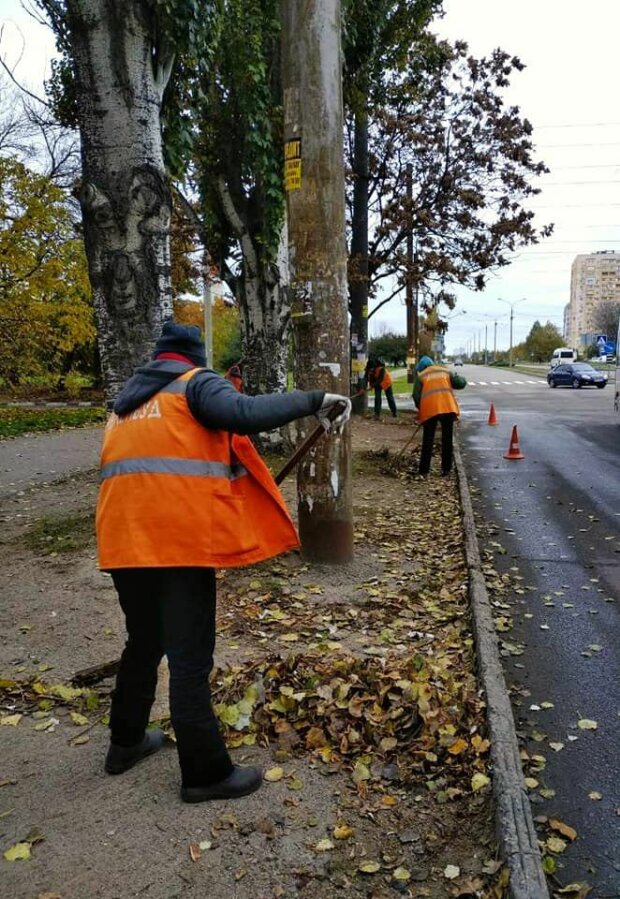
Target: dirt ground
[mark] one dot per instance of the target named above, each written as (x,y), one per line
(352,686)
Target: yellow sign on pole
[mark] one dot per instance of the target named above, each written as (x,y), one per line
(292,164)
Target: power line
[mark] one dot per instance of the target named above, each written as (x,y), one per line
(549,184)
(571,146)
(580,125)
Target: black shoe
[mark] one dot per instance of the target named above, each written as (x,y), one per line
(122,758)
(240,782)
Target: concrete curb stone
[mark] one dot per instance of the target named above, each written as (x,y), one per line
(514,822)
(36,404)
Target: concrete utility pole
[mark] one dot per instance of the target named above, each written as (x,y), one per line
(314,181)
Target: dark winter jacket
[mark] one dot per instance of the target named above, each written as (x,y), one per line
(215,403)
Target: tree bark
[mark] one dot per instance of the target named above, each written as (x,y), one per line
(358,263)
(120,78)
(264,305)
(312,81)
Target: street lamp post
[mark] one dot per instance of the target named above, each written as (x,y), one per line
(512,305)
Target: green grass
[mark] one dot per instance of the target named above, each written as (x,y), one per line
(401,385)
(18,420)
(69,533)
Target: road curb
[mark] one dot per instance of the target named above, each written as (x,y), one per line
(513,814)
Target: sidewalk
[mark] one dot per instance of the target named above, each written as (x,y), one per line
(353,687)
(39,459)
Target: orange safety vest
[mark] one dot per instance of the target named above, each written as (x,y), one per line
(437,396)
(174,493)
(387,380)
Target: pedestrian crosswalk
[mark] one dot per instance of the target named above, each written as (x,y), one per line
(507,383)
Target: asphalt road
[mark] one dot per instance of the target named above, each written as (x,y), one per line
(554,520)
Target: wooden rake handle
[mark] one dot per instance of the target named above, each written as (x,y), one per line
(308,443)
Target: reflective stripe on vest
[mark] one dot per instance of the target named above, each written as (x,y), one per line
(163,465)
(438,400)
(204,497)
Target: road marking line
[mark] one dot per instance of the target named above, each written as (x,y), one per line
(483,383)
(495,382)
(506,382)
(517,382)
(472,383)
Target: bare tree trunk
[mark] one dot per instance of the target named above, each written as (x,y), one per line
(120,78)
(312,80)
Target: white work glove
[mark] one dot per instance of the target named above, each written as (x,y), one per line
(329,401)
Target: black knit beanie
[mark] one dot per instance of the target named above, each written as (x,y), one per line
(182,339)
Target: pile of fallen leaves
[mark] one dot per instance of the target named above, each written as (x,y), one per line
(386,720)
(41,702)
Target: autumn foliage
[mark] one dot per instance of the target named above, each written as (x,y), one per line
(45,300)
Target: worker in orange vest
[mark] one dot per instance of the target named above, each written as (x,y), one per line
(183,492)
(235,377)
(433,394)
(378,377)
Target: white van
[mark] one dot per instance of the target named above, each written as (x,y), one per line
(562,356)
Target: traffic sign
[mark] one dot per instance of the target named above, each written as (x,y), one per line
(610,348)
(601,339)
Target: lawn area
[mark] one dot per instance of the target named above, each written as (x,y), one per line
(400,385)
(18,420)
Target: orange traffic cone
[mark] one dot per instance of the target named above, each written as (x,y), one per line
(492,416)
(513,450)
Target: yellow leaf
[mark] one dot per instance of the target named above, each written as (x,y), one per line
(295,784)
(369,867)
(289,638)
(273,775)
(531,783)
(343,831)
(11,720)
(18,852)
(79,719)
(479,781)
(595,795)
(361,772)
(65,692)
(458,746)
(194,851)
(324,845)
(587,724)
(401,874)
(555,844)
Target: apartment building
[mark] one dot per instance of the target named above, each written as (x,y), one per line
(595,279)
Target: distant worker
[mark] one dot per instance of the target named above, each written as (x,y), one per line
(183,492)
(235,377)
(433,394)
(378,377)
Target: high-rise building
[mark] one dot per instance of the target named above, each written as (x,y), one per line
(595,279)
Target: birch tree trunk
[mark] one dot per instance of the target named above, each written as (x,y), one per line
(264,305)
(313,125)
(120,77)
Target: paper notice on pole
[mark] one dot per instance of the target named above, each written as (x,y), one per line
(292,164)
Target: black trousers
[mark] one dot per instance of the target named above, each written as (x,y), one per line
(428,438)
(389,395)
(170,611)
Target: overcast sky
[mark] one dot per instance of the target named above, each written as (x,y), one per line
(569,93)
